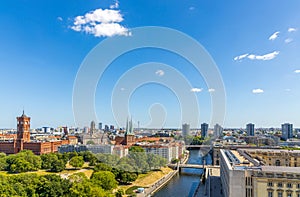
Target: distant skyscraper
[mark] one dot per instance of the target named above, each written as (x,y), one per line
(204,129)
(100,126)
(185,129)
(93,127)
(250,129)
(218,131)
(287,131)
(111,127)
(106,128)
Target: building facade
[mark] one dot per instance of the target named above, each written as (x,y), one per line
(218,131)
(24,142)
(204,130)
(287,131)
(244,173)
(250,129)
(185,129)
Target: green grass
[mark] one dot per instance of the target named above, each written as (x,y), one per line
(130,190)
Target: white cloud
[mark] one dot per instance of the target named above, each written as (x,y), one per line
(240,57)
(291,29)
(211,90)
(267,56)
(60,18)
(257,91)
(122,89)
(160,73)
(101,23)
(196,90)
(191,8)
(274,35)
(287,90)
(297,71)
(288,40)
(115,5)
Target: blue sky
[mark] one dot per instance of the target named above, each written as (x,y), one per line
(255,45)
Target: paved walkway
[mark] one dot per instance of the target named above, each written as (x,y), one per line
(157,185)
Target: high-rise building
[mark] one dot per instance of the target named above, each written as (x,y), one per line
(185,129)
(100,125)
(287,131)
(250,129)
(218,131)
(93,127)
(204,129)
(106,128)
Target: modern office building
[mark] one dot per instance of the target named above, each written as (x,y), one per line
(100,126)
(287,131)
(185,129)
(218,131)
(260,173)
(204,130)
(250,129)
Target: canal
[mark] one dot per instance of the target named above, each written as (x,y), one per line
(185,183)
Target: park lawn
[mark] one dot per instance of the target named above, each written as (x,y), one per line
(145,180)
(85,165)
(39,172)
(151,177)
(87,172)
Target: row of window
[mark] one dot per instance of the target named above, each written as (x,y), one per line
(280,184)
(280,194)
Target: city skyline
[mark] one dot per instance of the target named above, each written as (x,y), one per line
(254,45)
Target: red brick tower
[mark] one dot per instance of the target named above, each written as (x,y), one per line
(23,132)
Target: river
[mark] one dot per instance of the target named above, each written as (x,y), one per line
(185,183)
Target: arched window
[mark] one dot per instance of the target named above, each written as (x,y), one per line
(277,163)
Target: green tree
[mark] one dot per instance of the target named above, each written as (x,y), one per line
(58,165)
(102,167)
(140,161)
(25,184)
(136,149)
(77,161)
(52,163)
(108,159)
(119,193)
(127,177)
(105,179)
(24,161)
(153,161)
(87,188)
(3,163)
(53,185)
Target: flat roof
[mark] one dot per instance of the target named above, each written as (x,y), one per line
(280,169)
(272,150)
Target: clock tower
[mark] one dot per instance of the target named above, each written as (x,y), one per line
(23,132)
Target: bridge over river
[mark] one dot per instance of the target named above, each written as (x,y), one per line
(196,166)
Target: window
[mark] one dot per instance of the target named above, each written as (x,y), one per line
(279,185)
(279,194)
(270,194)
(277,163)
(289,195)
(270,184)
(289,185)
(298,185)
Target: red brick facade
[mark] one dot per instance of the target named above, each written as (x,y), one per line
(22,141)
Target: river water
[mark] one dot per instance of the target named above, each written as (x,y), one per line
(185,183)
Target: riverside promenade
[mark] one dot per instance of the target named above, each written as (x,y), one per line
(149,191)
